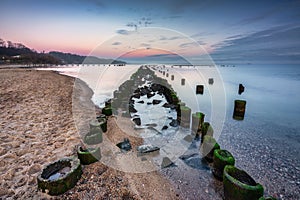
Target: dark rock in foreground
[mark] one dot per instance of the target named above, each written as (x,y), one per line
(166,162)
(137,121)
(125,145)
(156,102)
(147,148)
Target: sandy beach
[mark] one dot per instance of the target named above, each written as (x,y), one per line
(37,128)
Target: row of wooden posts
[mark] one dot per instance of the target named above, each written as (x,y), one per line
(54,180)
(237,184)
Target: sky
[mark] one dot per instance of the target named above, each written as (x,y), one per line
(226,31)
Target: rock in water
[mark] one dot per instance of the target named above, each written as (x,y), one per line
(174,123)
(147,148)
(125,145)
(156,101)
(137,121)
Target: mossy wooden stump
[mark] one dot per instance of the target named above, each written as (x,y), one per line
(88,156)
(210,81)
(101,116)
(197,121)
(238,185)
(221,158)
(239,109)
(183,81)
(60,176)
(107,111)
(208,146)
(206,129)
(94,136)
(185,117)
(199,89)
(98,123)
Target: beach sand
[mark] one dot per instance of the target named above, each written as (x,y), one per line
(37,128)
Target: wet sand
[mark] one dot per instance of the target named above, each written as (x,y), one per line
(37,128)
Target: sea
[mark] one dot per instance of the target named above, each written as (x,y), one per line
(266,143)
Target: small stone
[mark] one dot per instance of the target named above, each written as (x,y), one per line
(173,123)
(143,159)
(147,148)
(165,127)
(156,102)
(137,121)
(149,95)
(125,145)
(166,162)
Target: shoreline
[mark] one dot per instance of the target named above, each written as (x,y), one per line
(38,129)
(26,106)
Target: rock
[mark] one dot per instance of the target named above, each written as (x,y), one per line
(143,159)
(149,103)
(166,162)
(145,90)
(147,148)
(164,127)
(137,121)
(132,109)
(167,105)
(149,95)
(185,157)
(141,102)
(125,145)
(174,123)
(136,95)
(151,125)
(156,101)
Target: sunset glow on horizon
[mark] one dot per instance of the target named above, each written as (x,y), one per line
(227,30)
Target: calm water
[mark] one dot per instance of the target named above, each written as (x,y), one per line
(272,92)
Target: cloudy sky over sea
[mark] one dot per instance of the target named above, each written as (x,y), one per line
(230,31)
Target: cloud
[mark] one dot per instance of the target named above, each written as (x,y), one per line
(191,44)
(163,55)
(277,44)
(235,37)
(122,32)
(144,45)
(169,38)
(256,18)
(116,43)
(201,34)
